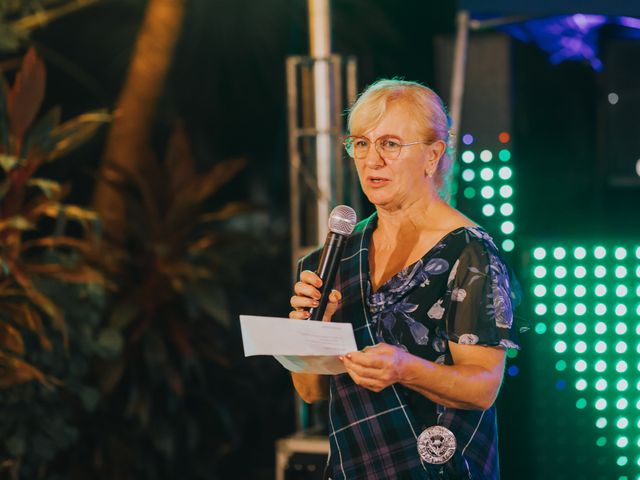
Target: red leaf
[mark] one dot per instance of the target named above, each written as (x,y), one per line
(26,95)
(179,160)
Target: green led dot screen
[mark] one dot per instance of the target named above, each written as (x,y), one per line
(585,307)
(485,187)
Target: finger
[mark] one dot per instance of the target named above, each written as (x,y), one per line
(299,302)
(361,370)
(306,290)
(307,276)
(335,296)
(370,358)
(365,382)
(299,314)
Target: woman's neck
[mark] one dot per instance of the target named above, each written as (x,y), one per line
(413,216)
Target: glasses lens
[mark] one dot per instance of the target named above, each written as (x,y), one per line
(389,148)
(356,147)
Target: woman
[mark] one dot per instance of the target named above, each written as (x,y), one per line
(429,300)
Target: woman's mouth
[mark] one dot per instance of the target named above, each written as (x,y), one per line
(377,181)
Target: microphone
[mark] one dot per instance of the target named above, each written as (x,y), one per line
(342,221)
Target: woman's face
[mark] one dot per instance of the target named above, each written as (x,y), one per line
(396,183)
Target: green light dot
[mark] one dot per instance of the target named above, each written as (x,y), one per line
(540,309)
(621,310)
(506,209)
(600,404)
(505,173)
(621,291)
(600,366)
(488,210)
(581,403)
(486,155)
(559,328)
(508,245)
(540,290)
(580,366)
(539,253)
(580,347)
(622,461)
(621,271)
(512,352)
(540,271)
(599,252)
(579,253)
(601,384)
(507,227)
(601,309)
(601,422)
(638,271)
(560,347)
(621,366)
(601,347)
(540,328)
(469,192)
(559,253)
(486,174)
(622,385)
(622,442)
(600,290)
(560,272)
(560,290)
(580,272)
(621,347)
(622,403)
(561,365)
(560,309)
(621,328)
(506,191)
(600,271)
(638,252)
(580,309)
(468,175)
(620,253)
(487,192)
(580,291)
(581,384)
(580,328)
(505,155)
(468,156)
(601,441)
(600,328)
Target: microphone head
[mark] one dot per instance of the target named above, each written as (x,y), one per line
(342,220)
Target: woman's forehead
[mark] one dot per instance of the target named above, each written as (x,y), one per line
(398,119)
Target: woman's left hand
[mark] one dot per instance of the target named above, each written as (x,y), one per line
(375,368)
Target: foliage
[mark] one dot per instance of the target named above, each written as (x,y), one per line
(44,272)
(174,383)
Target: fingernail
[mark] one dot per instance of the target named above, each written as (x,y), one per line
(341,358)
(316,303)
(349,356)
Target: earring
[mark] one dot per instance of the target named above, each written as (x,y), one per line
(430,174)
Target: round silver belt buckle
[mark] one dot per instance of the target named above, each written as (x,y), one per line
(436,445)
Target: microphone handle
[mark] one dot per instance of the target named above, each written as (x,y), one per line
(327,270)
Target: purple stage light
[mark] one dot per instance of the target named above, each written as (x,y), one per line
(467,139)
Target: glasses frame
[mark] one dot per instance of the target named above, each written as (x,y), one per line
(376,144)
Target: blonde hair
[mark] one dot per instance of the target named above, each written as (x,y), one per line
(428,111)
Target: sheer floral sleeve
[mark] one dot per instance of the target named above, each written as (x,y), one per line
(479,298)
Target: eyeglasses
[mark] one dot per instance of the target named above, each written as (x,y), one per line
(387,147)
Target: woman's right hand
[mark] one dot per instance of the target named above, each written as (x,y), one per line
(307,295)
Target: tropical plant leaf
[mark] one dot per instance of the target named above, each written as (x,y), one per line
(179,161)
(70,211)
(205,186)
(26,95)
(4,119)
(50,188)
(33,321)
(203,243)
(75,132)
(82,246)
(10,338)
(14,371)
(80,274)
(17,222)
(229,210)
(39,136)
(9,162)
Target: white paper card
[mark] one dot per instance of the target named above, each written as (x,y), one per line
(299,345)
